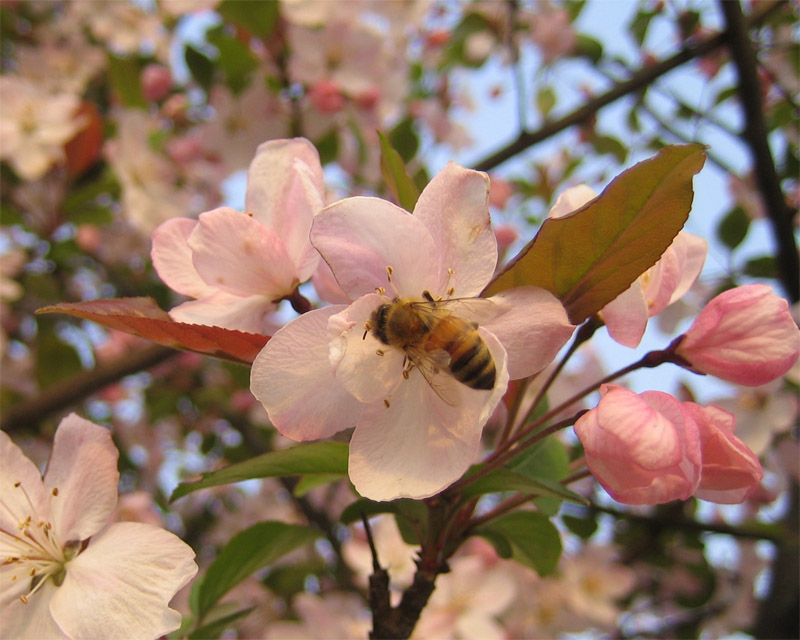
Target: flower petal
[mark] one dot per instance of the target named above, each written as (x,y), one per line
(172,258)
(121,585)
(366,368)
(83,467)
(285,190)
(455,209)
(418,445)
(359,237)
(20,481)
(237,254)
(293,379)
(31,620)
(532,325)
(222,309)
(626,316)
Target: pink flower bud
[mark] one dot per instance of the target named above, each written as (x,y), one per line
(156,82)
(745,335)
(506,235)
(730,470)
(642,448)
(326,97)
(499,192)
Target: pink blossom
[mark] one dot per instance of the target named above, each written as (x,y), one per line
(642,448)
(326,96)
(239,265)
(661,285)
(500,192)
(156,82)
(92,579)
(744,335)
(730,470)
(325,372)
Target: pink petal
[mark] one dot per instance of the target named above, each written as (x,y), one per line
(532,325)
(365,367)
(731,471)
(660,281)
(221,309)
(626,316)
(284,191)
(455,209)
(294,380)
(83,467)
(691,253)
(326,286)
(744,335)
(572,199)
(16,468)
(172,258)
(360,237)
(418,445)
(237,254)
(31,620)
(121,585)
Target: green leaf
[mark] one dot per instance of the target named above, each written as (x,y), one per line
(582,527)
(501,480)
(548,463)
(762,267)
(200,66)
(396,176)
(588,258)
(124,74)
(235,59)
(545,100)
(220,619)
(309,482)
(589,48)
(411,515)
(56,361)
(404,139)
(732,229)
(259,18)
(498,541)
(535,540)
(325,458)
(247,552)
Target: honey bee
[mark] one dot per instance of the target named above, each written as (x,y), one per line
(434,341)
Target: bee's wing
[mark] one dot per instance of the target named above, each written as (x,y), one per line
(433,365)
(477,310)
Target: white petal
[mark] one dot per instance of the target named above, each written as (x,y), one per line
(360,237)
(83,468)
(532,326)
(17,472)
(293,379)
(172,258)
(626,316)
(355,352)
(31,621)
(236,253)
(419,445)
(221,309)
(121,585)
(455,209)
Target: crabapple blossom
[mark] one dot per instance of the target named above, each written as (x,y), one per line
(65,572)
(730,470)
(324,372)
(642,448)
(661,285)
(35,125)
(744,335)
(239,265)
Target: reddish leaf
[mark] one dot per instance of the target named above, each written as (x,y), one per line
(588,258)
(142,317)
(84,149)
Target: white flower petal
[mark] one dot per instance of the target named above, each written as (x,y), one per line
(360,237)
(121,585)
(17,473)
(455,209)
(356,353)
(31,621)
(293,379)
(172,258)
(83,468)
(221,309)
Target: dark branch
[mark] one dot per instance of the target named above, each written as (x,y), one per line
(63,395)
(755,135)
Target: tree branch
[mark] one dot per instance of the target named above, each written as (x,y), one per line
(755,133)
(638,80)
(64,394)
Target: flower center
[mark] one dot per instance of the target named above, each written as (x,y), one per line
(31,549)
